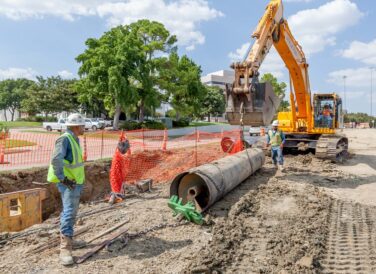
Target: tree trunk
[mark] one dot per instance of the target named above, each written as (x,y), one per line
(12,114)
(116,117)
(5,115)
(209,117)
(142,110)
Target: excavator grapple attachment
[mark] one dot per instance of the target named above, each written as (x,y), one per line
(256,106)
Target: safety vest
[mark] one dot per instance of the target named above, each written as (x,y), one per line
(275,138)
(326,112)
(73,171)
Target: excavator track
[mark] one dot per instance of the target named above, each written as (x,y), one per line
(332,147)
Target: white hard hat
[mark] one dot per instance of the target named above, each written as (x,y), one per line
(275,123)
(75,119)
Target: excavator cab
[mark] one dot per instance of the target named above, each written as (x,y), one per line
(327,111)
(250,102)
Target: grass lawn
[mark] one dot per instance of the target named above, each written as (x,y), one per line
(43,132)
(21,124)
(12,143)
(202,124)
(114,136)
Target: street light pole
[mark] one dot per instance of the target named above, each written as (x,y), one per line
(372,68)
(344,91)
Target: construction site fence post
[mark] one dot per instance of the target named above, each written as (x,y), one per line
(196,139)
(102,144)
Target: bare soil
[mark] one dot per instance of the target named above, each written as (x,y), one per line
(316,217)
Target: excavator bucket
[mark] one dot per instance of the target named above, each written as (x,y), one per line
(259,106)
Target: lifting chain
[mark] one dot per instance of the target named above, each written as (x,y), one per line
(124,239)
(241,121)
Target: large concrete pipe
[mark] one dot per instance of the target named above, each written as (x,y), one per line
(206,184)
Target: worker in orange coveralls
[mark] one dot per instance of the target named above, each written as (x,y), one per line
(119,168)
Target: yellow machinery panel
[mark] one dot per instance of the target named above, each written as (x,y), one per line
(21,209)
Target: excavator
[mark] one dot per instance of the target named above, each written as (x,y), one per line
(310,123)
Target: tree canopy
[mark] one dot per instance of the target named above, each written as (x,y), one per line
(122,67)
(12,93)
(213,103)
(50,95)
(279,89)
(181,79)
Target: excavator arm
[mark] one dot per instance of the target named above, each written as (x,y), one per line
(252,103)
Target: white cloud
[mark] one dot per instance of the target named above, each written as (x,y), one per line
(359,78)
(272,64)
(363,52)
(14,73)
(65,74)
(315,29)
(67,9)
(306,1)
(239,53)
(181,17)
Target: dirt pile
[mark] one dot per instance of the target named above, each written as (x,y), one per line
(278,227)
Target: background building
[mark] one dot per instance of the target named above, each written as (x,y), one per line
(219,78)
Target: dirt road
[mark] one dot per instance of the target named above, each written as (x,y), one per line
(316,217)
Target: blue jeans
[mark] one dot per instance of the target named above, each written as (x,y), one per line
(71,201)
(277,155)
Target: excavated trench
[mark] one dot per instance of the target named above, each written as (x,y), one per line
(96,186)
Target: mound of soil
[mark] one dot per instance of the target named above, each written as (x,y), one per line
(276,228)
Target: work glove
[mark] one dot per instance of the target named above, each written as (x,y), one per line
(123,146)
(70,184)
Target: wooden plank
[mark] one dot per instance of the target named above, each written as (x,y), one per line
(100,246)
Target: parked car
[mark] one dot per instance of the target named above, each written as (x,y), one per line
(59,125)
(107,123)
(91,123)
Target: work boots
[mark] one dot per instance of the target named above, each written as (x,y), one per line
(280,167)
(66,250)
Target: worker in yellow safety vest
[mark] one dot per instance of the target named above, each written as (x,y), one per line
(276,139)
(67,172)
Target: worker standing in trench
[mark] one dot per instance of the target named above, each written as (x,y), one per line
(276,140)
(67,172)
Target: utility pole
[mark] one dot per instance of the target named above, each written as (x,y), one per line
(371,68)
(344,92)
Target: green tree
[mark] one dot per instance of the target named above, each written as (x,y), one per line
(107,69)
(51,95)
(121,67)
(358,118)
(12,93)
(214,102)
(279,89)
(181,79)
(156,40)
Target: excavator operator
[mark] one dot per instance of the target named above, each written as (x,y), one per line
(327,115)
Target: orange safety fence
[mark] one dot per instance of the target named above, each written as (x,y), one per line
(154,154)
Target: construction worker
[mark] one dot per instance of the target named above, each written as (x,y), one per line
(67,172)
(327,114)
(276,140)
(118,170)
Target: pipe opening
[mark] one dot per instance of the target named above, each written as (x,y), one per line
(192,192)
(192,187)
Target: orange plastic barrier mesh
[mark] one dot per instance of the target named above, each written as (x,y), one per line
(154,154)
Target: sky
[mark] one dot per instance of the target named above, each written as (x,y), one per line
(338,37)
